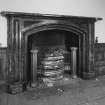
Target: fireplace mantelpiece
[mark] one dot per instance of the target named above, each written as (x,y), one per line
(23,25)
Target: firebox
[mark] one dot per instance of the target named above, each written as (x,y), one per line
(51,57)
(49,49)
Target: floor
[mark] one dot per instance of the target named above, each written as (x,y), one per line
(77,92)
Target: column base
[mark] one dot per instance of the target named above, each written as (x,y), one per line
(89,75)
(33,84)
(74,76)
(16,88)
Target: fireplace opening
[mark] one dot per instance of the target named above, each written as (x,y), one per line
(52,56)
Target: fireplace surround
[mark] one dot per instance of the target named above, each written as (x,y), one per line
(30,35)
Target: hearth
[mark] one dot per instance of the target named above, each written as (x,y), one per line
(49,47)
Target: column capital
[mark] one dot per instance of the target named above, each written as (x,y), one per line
(73,48)
(34,51)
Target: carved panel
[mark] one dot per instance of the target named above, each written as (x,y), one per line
(29,23)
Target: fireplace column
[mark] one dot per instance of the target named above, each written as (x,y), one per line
(73,61)
(34,67)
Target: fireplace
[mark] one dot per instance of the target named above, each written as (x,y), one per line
(49,47)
